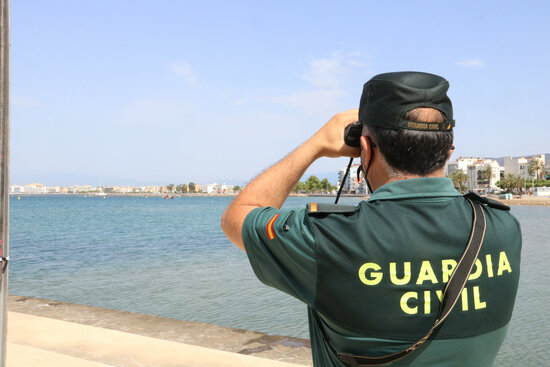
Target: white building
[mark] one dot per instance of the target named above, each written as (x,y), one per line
(153,189)
(520,166)
(35,188)
(475,168)
(54,190)
(128,189)
(215,188)
(352,184)
(541,191)
(516,166)
(17,189)
(461,163)
(209,188)
(476,173)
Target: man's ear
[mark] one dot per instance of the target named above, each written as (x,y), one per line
(451,151)
(365,148)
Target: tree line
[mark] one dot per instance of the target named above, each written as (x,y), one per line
(182,188)
(191,187)
(314,185)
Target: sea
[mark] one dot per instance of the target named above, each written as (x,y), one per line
(169,257)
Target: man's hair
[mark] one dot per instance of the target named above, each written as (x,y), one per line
(411,151)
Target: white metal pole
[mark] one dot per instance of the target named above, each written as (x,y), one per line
(4,169)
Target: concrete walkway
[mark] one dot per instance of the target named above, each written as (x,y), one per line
(42,341)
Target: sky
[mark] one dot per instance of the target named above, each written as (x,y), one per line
(155,92)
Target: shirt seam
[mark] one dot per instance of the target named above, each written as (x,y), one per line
(414,196)
(251,254)
(315,250)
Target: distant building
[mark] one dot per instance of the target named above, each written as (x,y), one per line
(151,189)
(54,190)
(209,188)
(35,188)
(541,191)
(127,189)
(17,189)
(461,163)
(478,181)
(476,168)
(353,184)
(80,188)
(215,188)
(520,166)
(516,166)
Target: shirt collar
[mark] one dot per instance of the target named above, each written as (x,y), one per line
(416,188)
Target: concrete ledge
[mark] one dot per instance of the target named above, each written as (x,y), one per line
(39,338)
(215,338)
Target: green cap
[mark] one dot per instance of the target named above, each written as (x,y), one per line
(388,97)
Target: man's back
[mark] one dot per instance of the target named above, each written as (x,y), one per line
(382,270)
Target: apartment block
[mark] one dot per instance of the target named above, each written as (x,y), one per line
(476,169)
(520,166)
(353,183)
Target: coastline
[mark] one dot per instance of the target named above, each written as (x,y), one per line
(518,201)
(528,200)
(244,342)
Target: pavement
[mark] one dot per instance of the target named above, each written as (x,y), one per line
(47,333)
(41,341)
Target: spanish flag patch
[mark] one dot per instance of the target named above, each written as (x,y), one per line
(269,227)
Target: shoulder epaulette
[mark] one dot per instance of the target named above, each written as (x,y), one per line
(324,208)
(489,202)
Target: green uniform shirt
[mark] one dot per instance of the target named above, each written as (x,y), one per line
(372,276)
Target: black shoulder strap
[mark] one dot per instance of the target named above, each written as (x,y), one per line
(451,295)
(324,208)
(489,202)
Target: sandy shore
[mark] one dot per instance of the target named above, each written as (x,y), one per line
(525,200)
(184,334)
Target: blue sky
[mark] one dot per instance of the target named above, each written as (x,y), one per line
(142,92)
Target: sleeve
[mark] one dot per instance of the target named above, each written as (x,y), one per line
(280,247)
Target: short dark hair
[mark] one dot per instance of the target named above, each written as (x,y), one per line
(411,151)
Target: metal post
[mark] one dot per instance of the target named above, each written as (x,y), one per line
(4,169)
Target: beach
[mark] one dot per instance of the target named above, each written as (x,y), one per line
(526,200)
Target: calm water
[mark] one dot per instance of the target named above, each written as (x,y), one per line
(170,258)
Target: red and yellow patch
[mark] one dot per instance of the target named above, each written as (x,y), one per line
(269,227)
(312,207)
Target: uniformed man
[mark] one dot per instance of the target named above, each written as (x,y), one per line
(373,275)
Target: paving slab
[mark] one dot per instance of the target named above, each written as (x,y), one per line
(24,356)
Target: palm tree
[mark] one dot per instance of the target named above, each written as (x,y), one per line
(484,176)
(536,168)
(512,183)
(459,178)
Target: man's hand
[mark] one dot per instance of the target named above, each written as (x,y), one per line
(272,187)
(330,138)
